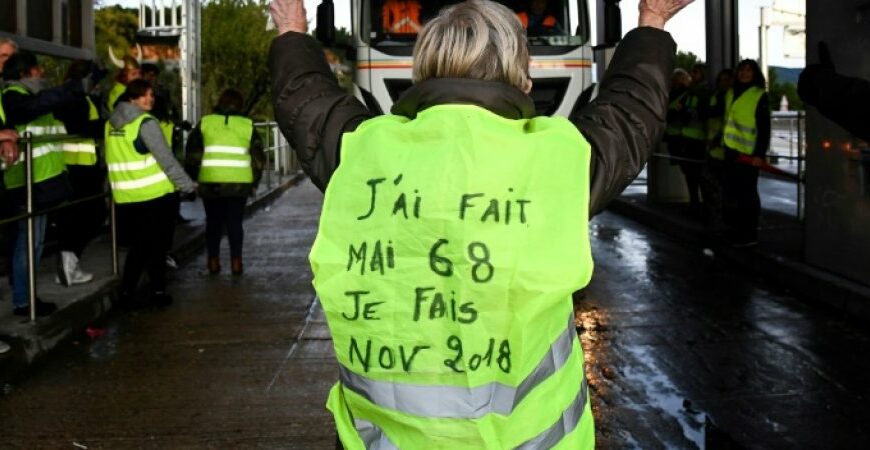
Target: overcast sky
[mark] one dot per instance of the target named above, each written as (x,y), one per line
(687,28)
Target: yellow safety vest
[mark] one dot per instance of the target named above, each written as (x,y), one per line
(82,151)
(48,161)
(227,154)
(448,249)
(673,128)
(134,177)
(695,128)
(740,131)
(117,90)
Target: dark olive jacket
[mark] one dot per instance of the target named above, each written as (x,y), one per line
(623,124)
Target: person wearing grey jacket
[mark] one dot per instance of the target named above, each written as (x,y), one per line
(148,225)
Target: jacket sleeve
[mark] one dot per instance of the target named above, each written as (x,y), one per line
(22,109)
(312,110)
(154,139)
(193,153)
(626,121)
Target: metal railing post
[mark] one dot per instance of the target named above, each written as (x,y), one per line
(800,165)
(31,226)
(268,148)
(113,229)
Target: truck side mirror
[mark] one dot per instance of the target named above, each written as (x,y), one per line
(612,22)
(325,31)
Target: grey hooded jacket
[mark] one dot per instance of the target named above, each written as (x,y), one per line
(151,140)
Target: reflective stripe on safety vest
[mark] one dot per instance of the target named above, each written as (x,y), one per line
(48,161)
(226,154)
(740,131)
(82,151)
(134,177)
(416,232)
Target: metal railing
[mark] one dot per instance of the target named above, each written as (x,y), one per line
(280,158)
(787,152)
(30,214)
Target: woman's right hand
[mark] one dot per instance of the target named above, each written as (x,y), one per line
(289,15)
(9,146)
(655,13)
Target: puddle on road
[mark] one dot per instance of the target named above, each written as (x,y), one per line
(661,393)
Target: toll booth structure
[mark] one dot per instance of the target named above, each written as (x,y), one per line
(838,165)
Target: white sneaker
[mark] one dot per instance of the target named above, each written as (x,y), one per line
(4,347)
(69,272)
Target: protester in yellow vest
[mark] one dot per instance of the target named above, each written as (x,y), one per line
(29,105)
(79,224)
(144,176)
(455,229)
(128,73)
(225,154)
(746,133)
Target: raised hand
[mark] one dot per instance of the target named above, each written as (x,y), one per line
(289,15)
(655,13)
(9,146)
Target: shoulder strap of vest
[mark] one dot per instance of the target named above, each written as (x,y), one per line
(17,89)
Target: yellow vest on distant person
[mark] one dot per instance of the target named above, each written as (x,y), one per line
(740,131)
(226,154)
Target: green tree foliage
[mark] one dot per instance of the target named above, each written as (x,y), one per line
(235,46)
(685,60)
(777,90)
(115,27)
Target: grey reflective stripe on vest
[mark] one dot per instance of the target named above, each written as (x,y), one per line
(566,424)
(739,139)
(741,127)
(452,402)
(375,439)
(372,436)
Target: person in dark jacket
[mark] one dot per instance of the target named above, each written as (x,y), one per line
(79,224)
(746,139)
(225,153)
(29,105)
(476,93)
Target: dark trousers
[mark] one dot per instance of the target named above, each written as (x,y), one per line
(693,170)
(150,226)
(711,186)
(224,213)
(742,205)
(78,225)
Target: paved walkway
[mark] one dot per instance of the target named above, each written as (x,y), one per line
(683,352)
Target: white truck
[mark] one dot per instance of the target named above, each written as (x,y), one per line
(561,56)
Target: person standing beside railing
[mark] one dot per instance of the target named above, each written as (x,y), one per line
(144,176)
(746,139)
(8,155)
(29,105)
(225,154)
(79,224)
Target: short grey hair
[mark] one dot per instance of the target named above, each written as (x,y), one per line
(7,41)
(478,39)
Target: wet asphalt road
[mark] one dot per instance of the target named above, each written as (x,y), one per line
(683,351)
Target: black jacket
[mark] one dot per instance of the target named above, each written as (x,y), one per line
(623,124)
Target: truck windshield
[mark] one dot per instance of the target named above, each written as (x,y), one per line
(547,22)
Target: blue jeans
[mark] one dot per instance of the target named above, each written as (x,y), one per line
(19,259)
